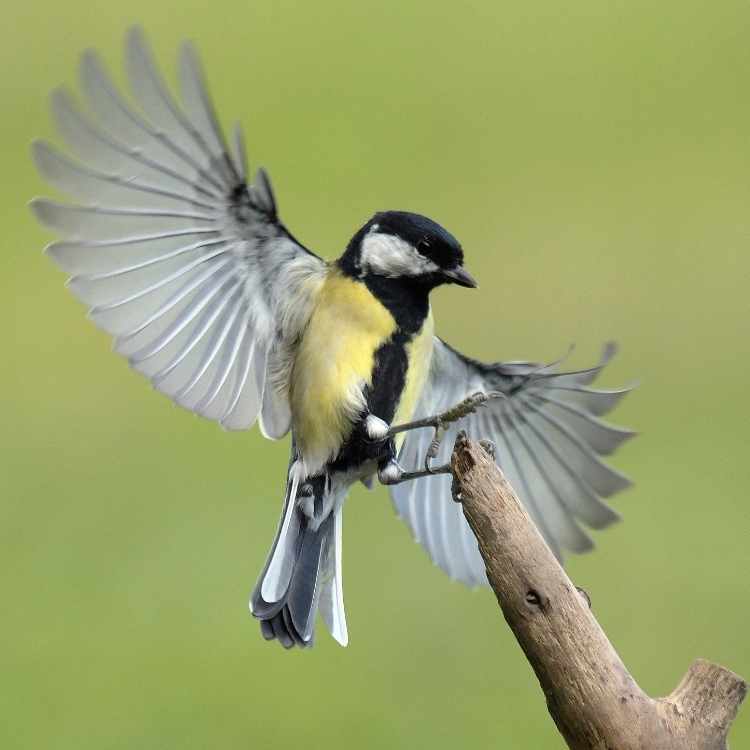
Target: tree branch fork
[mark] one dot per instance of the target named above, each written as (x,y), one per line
(590,694)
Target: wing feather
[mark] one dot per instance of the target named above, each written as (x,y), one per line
(92,257)
(562,527)
(247,396)
(601,437)
(158,105)
(102,152)
(594,401)
(88,185)
(201,114)
(575,494)
(175,255)
(549,440)
(96,223)
(123,123)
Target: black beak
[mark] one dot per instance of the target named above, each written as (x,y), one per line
(459,275)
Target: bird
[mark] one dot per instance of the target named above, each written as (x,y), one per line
(184,260)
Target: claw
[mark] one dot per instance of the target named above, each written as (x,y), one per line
(432,451)
(585,595)
(489,447)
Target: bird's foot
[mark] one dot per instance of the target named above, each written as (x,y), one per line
(585,595)
(489,447)
(392,473)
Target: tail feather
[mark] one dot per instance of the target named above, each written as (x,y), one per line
(302,574)
(332,595)
(304,592)
(278,573)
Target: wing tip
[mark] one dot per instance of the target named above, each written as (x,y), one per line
(188,53)
(61,99)
(612,519)
(620,483)
(43,210)
(39,147)
(50,163)
(586,545)
(89,59)
(609,350)
(53,250)
(227,426)
(135,35)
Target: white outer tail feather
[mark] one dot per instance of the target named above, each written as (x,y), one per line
(332,596)
(279,573)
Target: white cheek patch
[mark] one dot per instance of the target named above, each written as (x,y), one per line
(388,255)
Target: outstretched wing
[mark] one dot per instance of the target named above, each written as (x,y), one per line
(549,440)
(186,264)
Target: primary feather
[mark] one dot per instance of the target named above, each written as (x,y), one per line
(176,256)
(549,441)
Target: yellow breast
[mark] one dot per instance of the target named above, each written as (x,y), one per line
(334,362)
(419,357)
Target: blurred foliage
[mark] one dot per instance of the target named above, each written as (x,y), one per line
(593,158)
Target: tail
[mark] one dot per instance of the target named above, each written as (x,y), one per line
(303,572)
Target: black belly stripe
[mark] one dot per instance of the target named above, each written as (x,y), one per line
(388,381)
(388,377)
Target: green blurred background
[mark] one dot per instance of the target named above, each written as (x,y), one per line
(593,158)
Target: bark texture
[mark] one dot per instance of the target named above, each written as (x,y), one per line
(591,696)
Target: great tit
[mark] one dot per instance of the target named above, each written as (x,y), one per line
(187,264)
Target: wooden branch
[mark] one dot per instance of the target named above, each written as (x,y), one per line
(591,696)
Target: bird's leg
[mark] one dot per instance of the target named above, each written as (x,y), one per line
(390,472)
(462,409)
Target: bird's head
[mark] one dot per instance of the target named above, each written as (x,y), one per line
(406,246)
